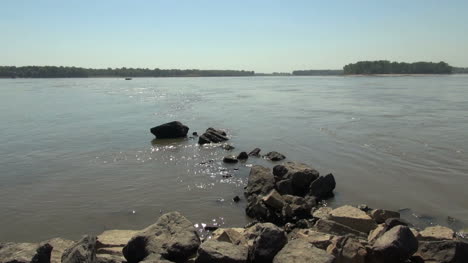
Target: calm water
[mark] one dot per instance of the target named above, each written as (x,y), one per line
(76,155)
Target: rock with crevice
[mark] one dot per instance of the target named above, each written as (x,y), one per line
(274,200)
(353,217)
(322,212)
(174,129)
(25,252)
(301,251)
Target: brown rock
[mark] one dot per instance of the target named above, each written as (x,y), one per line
(437,233)
(353,217)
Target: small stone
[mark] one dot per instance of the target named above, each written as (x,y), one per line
(243,156)
(437,233)
(236,199)
(230,159)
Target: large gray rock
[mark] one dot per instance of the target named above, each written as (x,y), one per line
(173,129)
(83,251)
(269,240)
(323,186)
(59,246)
(396,245)
(301,251)
(212,135)
(172,236)
(298,175)
(260,182)
(25,253)
(353,217)
(222,252)
(443,252)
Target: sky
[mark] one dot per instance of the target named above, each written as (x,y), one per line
(263,35)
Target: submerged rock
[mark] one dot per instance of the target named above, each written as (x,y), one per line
(83,251)
(275,156)
(230,159)
(168,130)
(25,253)
(243,156)
(228,147)
(212,135)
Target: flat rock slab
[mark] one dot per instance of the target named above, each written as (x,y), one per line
(437,233)
(301,251)
(115,238)
(25,253)
(353,217)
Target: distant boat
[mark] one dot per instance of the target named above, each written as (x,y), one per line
(128,78)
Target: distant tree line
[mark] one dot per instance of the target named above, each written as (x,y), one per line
(75,72)
(460,70)
(387,67)
(318,72)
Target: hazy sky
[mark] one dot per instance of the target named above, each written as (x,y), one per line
(264,36)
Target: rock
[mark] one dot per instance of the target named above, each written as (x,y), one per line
(236,199)
(25,253)
(172,236)
(443,251)
(222,252)
(298,175)
(318,239)
(332,227)
(300,207)
(260,181)
(274,200)
(437,233)
(155,258)
(230,159)
(109,258)
(234,236)
(256,208)
(285,187)
(115,238)
(243,156)
(347,250)
(212,136)
(195,133)
(364,207)
(275,156)
(301,251)
(396,245)
(255,152)
(59,246)
(322,212)
(323,186)
(393,222)
(173,129)
(376,233)
(269,241)
(353,217)
(228,147)
(380,215)
(83,251)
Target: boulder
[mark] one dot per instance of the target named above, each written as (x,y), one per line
(222,252)
(255,152)
(59,246)
(269,241)
(260,181)
(25,253)
(318,239)
(437,233)
(274,200)
(275,156)
(353,217)
(322,212)
(393,222)
(300,207)
(298,175)
(395,245)
(347,250)
(256,208)
(332,227)
(230,159)
(234,236)
(83,251)
(301,251)
(243,156)
(323,186)
(380,215)
(443,251)
(212,136)
(172,236)
(168,130)
(285,187)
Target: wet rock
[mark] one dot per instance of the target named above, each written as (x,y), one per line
(396,245)
(353,217)
(212,136)
(332,227)
(268,243)
(322,212)
(443,251)
(230,159)
(173,129)
(380,215)
(59,246)
(274,200)
(83,251)
(172,236)
(260,182)
(25,253)
(234,236)
(323,186)
(228,147)
(255,152)
(347,250)
(236,199)
(275,156)
(318,239)
(301,251)
(364,207)
(222,252)
(437,233)
(243,156)
(297,176)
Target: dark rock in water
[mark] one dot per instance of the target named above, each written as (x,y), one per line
(222,252)
(228,147)
(25,253)
(299,207)
(255,152)
(230,159)
(269,241)
(195,133)
(294,178)
(380,215)
(396,245)
(301,251)
(168,130)
(260,182)
(172,236)
(210,228)
(443,251)
(212,135)
(323,186)
(243,156)
(83,251)
(275,156)
(236,199)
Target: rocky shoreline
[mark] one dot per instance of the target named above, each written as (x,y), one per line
(290,224)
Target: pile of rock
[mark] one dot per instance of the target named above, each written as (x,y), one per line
(287,193)
(212,135)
